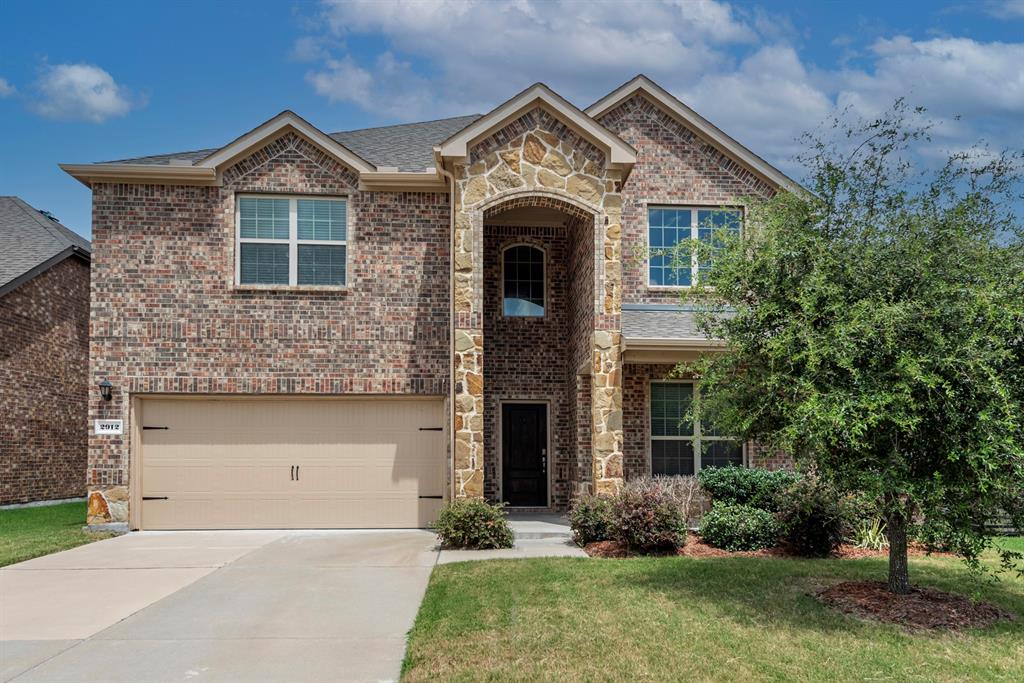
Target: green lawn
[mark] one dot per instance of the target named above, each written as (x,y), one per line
(693,619)
(30,532)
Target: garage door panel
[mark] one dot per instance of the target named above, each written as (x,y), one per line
(228,463)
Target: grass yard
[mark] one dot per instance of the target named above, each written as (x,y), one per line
(30,532)
(679,618)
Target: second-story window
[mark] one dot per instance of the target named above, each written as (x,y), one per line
(668,227)
(523,275)
(292,241)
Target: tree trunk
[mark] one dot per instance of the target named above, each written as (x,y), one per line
(896,531)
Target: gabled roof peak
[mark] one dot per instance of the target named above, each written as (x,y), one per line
(618,152)
(690,118)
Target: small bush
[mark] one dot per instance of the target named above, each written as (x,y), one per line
(591,519)
(649,517)
(739,527)
(473,523)
(870,534)
(746,486)
(813,518)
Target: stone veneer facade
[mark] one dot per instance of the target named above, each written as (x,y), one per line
(44,359)
(537,161)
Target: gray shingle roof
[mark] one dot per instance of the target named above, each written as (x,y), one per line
(28,239)
(407,146)
(659,324)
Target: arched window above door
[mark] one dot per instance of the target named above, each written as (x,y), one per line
(523,281)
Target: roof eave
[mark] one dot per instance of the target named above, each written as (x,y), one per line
(671,344)
(403,181)
(87,174)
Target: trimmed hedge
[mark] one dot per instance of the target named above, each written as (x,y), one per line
(747,486)
(474,524)
(739,527)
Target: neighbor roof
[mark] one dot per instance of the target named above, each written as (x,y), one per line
(31,242)
(407,146)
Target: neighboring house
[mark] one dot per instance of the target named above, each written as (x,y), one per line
(44,356)
(306,329)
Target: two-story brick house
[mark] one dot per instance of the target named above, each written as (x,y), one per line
(305,329)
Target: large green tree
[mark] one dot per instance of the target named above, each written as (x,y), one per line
(874,328)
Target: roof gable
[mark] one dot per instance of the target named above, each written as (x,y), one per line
(665,100)
(275,127)
(618,152)
(31,242)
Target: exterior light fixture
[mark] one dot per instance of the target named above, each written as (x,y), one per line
(105,387)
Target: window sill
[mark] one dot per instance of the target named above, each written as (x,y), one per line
(294,289)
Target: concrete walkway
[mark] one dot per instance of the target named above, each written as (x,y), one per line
(216,606)
(537,535)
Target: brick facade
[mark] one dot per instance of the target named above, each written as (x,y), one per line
(529,359)
(167,316)
(636,423)
(674,166)
(44,359)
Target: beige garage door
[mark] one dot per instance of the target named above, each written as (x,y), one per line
(272,463)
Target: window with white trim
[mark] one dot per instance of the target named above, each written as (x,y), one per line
(292,241)
(670,265)
(682,446)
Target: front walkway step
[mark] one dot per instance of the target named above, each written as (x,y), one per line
(536,526)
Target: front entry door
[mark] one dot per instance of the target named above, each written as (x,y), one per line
(524,451)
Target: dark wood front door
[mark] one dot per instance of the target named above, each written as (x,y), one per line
(524,453)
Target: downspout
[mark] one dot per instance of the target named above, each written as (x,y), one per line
(439,165)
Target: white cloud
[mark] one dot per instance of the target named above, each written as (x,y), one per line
(82,92)
(739,68)
(1005,9)
(6,89)
(482,52)
(389,87)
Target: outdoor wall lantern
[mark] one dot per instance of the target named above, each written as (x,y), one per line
(105,387)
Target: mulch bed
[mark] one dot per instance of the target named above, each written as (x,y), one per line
(921,609)
(696,548)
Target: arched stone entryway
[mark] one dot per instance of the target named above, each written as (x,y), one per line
(538,169)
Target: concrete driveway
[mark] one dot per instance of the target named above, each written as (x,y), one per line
(216,606)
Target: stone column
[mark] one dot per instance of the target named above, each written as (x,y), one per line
(607,411)
(468,389)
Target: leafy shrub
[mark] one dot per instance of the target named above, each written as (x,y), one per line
(757,488)
(648,515)
(870,534)
(591,519)
(683,490)
(812,517)
(739,527)
(473,523)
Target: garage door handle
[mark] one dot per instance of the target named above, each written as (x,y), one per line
(433,497)
(155,428)
(154,498)
(296,473)
(293,473)
(431,429)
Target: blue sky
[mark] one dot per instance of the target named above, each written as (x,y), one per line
(83,82)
